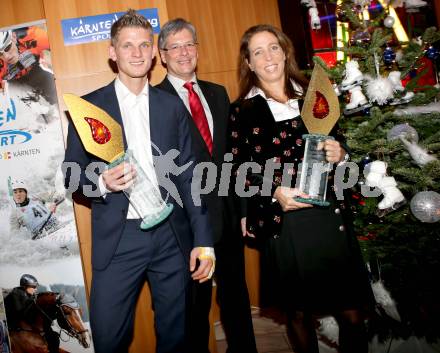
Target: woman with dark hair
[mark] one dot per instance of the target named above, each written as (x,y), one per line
(310,252)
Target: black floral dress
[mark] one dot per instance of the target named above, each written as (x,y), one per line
(311,259)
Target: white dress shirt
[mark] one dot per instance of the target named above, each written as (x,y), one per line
(280,111)
(136,119)
(183,94)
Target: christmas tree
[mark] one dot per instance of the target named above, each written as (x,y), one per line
(390,99)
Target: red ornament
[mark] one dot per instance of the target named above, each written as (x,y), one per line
(427,79)
(100,133)
(367,237)
(321,108)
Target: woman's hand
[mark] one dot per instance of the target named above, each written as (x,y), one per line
(285,196)
(244,231)
(334,153)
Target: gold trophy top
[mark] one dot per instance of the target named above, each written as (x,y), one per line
(320,111)
(100,134)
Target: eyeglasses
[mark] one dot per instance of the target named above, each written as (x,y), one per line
(177,47)
(6,49)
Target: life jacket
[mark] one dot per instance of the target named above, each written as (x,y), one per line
(34,216)
(31,41)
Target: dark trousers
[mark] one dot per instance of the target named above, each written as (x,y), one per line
(141,255)
(52,339)
(232,297)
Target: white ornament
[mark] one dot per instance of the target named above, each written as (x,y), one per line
(353,76)
(399,55)
(315,22)
(336,89)
(375,171)
(404,130)
(379,90)
(392,196)
(308,3)
(384,300)
(425,206)
(418,40)
(417,153)
(362,3)
(375,176)
(414,4)
(394,77)
(389,21)
(421,109)
(357,99)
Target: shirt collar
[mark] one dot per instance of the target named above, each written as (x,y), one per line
(124,94)
(178,82)
(280,111)
(258,91)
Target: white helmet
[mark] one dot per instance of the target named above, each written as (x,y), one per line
(19,184)
(5,39)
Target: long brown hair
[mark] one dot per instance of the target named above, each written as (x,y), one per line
(248,79)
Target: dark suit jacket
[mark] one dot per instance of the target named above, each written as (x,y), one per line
(168,130)
(220,208)
(255,136)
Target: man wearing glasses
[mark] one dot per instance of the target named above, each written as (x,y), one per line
(208,104)
(20,305)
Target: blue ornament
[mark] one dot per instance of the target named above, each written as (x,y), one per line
(366,111)
(364,161)
(432,53)
(389,56)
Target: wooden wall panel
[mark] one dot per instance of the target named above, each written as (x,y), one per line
(227,78)
(220,25)
(20,11)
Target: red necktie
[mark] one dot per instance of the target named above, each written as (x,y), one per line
(198,114)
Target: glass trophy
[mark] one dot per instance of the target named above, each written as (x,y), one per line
(314,170)
(144,195)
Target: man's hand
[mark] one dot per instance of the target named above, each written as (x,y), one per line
(285,196)
(206,267)
(120,177)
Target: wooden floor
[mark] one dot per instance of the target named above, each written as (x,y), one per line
(270,334)
(271,337)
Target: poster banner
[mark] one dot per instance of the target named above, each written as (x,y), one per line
(97,28)
(41,277)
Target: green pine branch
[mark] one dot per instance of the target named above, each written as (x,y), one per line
(431,35)
(351,15)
